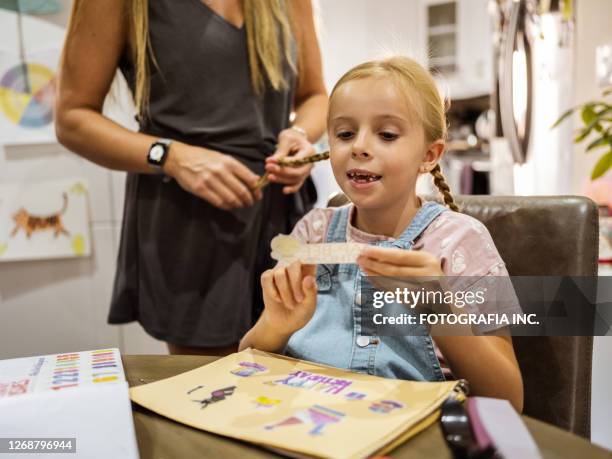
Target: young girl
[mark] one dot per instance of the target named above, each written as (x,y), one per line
(386,125)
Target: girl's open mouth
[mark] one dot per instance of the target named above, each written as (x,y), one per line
(362,176)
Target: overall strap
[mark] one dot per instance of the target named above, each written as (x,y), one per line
(426,214)
(336,232)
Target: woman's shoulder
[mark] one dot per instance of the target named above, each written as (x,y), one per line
(312,228)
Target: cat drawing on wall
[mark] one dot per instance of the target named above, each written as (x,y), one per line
(31,223)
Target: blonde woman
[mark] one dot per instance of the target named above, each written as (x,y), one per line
(214,82)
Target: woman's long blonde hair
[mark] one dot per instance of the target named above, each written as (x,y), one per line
(420,89)
(264,20)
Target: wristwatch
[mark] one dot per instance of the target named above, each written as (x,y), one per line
(158,153)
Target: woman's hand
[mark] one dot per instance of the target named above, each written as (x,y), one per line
(290,296)
(294,144)
(215,177)
(393,262)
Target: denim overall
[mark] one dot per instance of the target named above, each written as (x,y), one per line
(341,333)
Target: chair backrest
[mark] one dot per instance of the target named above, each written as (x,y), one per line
(545,236)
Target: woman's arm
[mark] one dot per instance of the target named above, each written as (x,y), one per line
(94,45)
(310,103)
(91,54)
(311,96)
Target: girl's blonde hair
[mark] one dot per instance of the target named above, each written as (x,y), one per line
(421,93)
(264,20)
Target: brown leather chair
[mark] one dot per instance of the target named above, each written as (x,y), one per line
(545,236)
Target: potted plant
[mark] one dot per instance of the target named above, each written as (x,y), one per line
(596,118)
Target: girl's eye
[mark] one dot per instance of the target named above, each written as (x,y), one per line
(385,135)
(344,135)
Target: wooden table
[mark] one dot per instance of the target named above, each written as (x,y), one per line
(159,437)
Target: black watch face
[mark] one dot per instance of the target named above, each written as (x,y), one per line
(157,152)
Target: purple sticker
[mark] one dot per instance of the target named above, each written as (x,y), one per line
(355,396)
(247,369)
(216,396)
(312,381)
(385,406)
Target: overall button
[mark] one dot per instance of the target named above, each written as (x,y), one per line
(363,341)
(358,299)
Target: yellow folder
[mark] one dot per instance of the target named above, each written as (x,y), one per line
(298,406)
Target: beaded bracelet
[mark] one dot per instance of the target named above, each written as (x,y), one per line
(299,129)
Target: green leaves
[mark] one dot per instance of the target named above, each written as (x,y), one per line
(563,117)
(600,142)
(596,118)
(602,166)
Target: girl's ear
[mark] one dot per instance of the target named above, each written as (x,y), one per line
(432,156)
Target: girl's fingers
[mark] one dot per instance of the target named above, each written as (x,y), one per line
(284,289)
(268,287)
(397,256)
(294,271)
(380,268)
(309,285)
(309,281)
(309,270)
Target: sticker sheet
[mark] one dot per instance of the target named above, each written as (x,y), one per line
(294,405)
(60,371)
(79,395)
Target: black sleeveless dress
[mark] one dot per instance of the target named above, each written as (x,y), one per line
(187,271)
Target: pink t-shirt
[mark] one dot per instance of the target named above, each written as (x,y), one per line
(462,244)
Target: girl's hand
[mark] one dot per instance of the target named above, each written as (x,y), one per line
(294,144)
(395,267)
(393,262)
(290,296)
(221,180)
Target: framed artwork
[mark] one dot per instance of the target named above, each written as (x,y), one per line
(44,220)
(29,55)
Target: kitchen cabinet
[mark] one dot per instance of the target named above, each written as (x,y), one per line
(457,37)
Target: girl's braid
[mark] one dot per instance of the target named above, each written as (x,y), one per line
(288,162)
(441,184)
